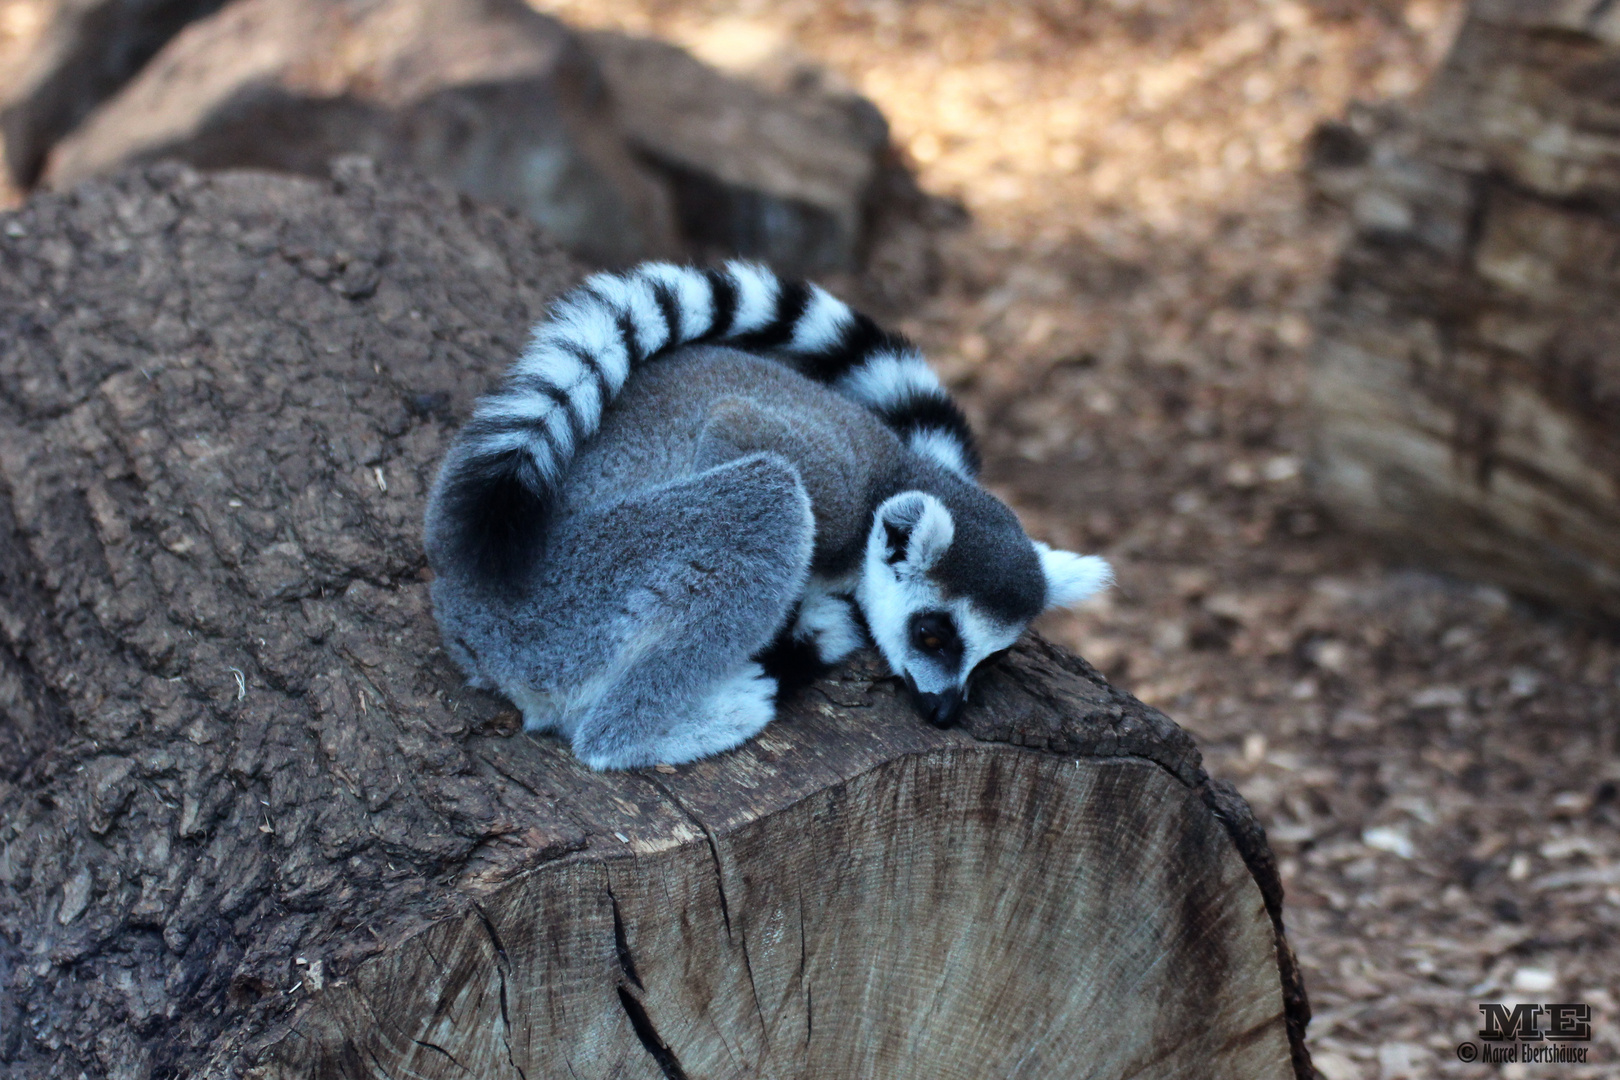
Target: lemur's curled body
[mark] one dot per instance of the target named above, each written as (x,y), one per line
(689,466)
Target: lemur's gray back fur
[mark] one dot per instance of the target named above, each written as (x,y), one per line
(496,489)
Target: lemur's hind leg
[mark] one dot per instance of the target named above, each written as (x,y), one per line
(728,554)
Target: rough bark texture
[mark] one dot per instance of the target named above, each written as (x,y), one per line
(1467,377)
(251,822)
(490,96)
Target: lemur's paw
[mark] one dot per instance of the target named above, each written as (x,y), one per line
(540,712)
(541,723)
(827,622)
(734,712)
(739,707)
(737,710)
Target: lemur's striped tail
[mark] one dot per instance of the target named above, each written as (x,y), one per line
(496,488)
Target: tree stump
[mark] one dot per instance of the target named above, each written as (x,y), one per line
(1466,380)
(253,824)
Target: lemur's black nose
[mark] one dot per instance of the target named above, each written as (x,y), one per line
(941,710)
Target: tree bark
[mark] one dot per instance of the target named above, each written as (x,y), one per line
(254,824)
(1467,379)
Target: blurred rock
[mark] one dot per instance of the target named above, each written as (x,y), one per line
(1466,379)
(624,147)
(487,95)
(783,165)
(85,51)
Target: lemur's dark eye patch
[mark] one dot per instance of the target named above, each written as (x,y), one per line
(934,632)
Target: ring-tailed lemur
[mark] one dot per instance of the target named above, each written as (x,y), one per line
(686,466)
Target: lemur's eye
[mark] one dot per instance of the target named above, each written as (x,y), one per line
(934,633)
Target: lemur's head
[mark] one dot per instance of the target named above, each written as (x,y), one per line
(941,590)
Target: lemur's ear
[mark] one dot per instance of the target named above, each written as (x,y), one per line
(915,529)
(1071,578)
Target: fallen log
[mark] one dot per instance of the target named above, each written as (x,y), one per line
(1466,380)
(252,823)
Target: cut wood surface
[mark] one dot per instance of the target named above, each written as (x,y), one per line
(853,894)
(1467,376)
(251,822)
